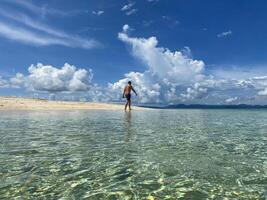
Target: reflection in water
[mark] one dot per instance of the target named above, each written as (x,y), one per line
(127,125)
(166,154)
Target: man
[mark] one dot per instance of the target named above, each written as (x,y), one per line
(127,94)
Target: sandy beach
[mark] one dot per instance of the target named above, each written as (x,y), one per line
(14,103)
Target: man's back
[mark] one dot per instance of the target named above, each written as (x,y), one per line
(128,89)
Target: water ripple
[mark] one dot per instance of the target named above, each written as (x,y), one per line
(167,154)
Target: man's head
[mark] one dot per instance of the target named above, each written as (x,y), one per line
(129,82)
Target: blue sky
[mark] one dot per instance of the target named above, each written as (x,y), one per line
(229,37)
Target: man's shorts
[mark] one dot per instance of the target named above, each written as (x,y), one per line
(128,96)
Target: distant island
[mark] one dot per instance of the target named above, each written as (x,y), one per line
(206,106)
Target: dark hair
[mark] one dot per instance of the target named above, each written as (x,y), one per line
(129,82)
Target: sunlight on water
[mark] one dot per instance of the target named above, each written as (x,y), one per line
(164,154)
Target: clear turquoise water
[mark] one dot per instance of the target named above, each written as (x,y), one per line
(165,154)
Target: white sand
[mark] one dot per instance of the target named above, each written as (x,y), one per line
(14,103)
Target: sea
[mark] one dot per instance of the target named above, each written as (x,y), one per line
(190,154)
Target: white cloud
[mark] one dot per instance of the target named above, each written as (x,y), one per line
(224,34)
(30,37)
(261,84)
(3,83)
(130,12)
(43,10)
(63,83)
(47,78)
(128,6)
(31,31)
(263,92)
(99,12)
(174,66)
(28,5)
(67,78)
(231,100)
(67,82)
(148,89)
(81,80)
(126,28)
(167,75)
(25,36)
(17,81)
(195,92)
(174,77)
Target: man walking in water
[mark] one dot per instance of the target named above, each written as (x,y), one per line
(127,94)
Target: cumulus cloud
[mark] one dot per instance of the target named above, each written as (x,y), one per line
(167,73)
(67,78)
(148,89)
(224,34)
(175,77)
(14,82)
(174,66)
(195,92)
(47,78)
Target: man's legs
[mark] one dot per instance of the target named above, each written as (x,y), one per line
(127,102)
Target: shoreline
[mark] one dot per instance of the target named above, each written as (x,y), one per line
(19,103)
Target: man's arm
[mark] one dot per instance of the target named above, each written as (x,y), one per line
(134,91)
(123,95)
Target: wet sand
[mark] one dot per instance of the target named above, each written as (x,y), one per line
(16,103)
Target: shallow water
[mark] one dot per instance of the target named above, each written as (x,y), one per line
(164,154)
